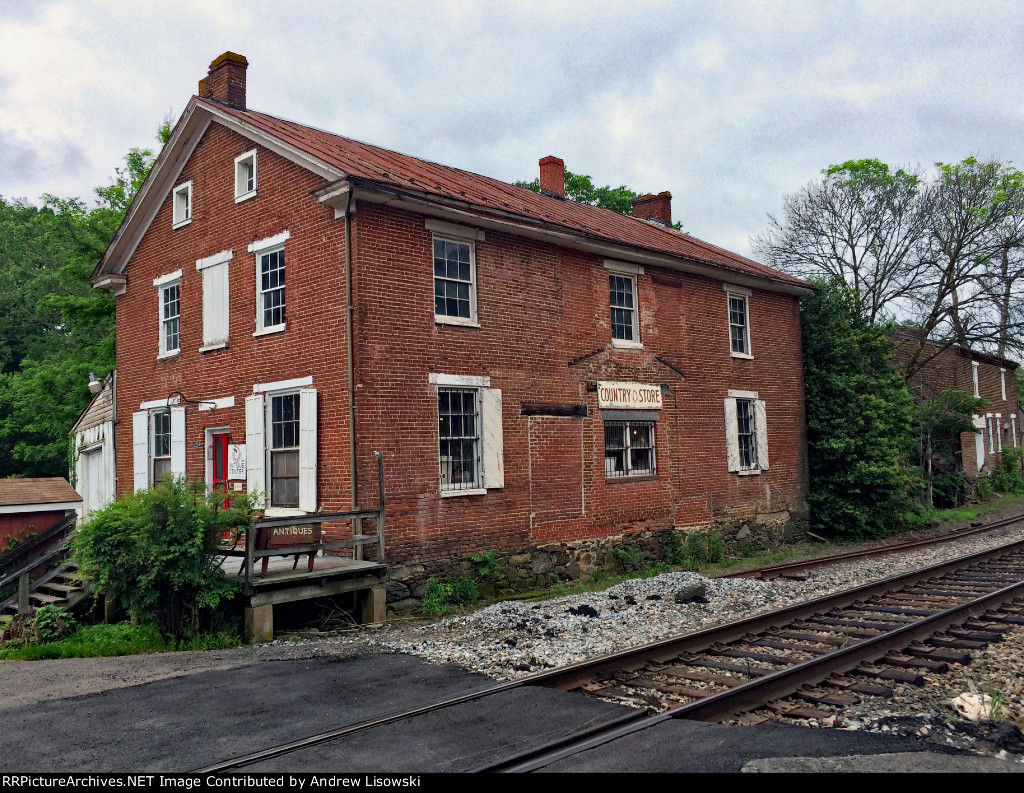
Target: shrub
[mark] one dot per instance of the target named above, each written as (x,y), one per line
(54,623)
(672,554)
(487,566)
(632,559)
(156,553)
(1007,478)
(440,597)
(984,489)
(703,548)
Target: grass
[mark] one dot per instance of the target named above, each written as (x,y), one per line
(93,641)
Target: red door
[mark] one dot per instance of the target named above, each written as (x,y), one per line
(221,441)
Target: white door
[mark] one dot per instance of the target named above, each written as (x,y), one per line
(94,486)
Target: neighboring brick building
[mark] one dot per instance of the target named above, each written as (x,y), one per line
(982,375)
(533,369)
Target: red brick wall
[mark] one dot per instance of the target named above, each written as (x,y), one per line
(312,344)
(543,337)
(951,370)
(541,308)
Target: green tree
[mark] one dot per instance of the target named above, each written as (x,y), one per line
(939,418)
(860,420)
(55,328)
(582,189)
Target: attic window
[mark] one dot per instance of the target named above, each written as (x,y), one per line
(245,176)
(182,213)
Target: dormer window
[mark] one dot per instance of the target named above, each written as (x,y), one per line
(182,211)
(245,176)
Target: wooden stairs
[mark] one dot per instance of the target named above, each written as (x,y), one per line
(59,587)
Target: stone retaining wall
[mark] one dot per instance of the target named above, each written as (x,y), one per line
(537,568)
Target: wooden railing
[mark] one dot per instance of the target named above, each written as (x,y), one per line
(46,547)
(262,527)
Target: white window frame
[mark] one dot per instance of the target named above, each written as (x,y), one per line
(260,249)
(991,437)
(242,191)
(258,440)
(1013,429)
(974,377)
(162,284)
(999,432)
(490,467)
(472,320)
(1002,383)
(733,292)
(142,440)
(759,436)
(181,205)
(630,272)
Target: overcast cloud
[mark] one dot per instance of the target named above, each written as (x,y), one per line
(728,105)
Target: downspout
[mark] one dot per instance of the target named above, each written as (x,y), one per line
(349,308)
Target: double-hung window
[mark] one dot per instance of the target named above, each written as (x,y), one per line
(974,378)
(245,176)
(158,442)
(281,445)
(622,301)
(738,304)
(161,445)
(181,205)
(270,283)
(469,435)
(459,441)
(746,433)
(169,295)
(629,449)
(454,281)
(1002,383)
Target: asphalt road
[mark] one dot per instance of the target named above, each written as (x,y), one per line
(201,717)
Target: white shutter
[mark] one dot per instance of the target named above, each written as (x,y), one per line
(493,451)
(307,449)
(732,439)
(215,304)
(140,449)
(177,441)
(255,447)
(761,428)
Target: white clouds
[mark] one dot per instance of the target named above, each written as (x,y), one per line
(727,105)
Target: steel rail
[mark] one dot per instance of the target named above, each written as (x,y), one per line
(566,678)
(771,686)
(776,570)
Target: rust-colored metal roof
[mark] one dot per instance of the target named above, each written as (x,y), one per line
(400,171)
(46,490)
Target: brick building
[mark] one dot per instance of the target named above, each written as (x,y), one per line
(533,369)
(989,377)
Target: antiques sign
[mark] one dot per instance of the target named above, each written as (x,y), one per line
(635,396)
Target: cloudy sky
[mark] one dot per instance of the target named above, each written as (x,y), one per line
(728,105)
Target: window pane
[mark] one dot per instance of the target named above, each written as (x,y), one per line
(458,441)
(284,421)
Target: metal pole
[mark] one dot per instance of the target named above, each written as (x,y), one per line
(380,512)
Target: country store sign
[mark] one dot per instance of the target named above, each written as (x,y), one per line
(616,396)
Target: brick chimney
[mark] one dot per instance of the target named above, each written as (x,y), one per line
(552,176)
(654,207)
(225,81)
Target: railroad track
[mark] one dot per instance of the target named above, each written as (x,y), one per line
(804,661)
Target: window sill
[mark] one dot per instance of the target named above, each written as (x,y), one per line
(749,472)
(223,345)
(480,491)
(167,355)
(626,345)
(245,196)
(283,512)
(181,223)
(269,331)
(466,323)
(745,355)
(617,480)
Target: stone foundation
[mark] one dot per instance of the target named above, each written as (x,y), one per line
(541,567)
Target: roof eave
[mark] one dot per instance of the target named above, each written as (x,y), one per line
(513,223)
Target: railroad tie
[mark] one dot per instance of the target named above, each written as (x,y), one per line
(882,673)
(911,662)
(859,687)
